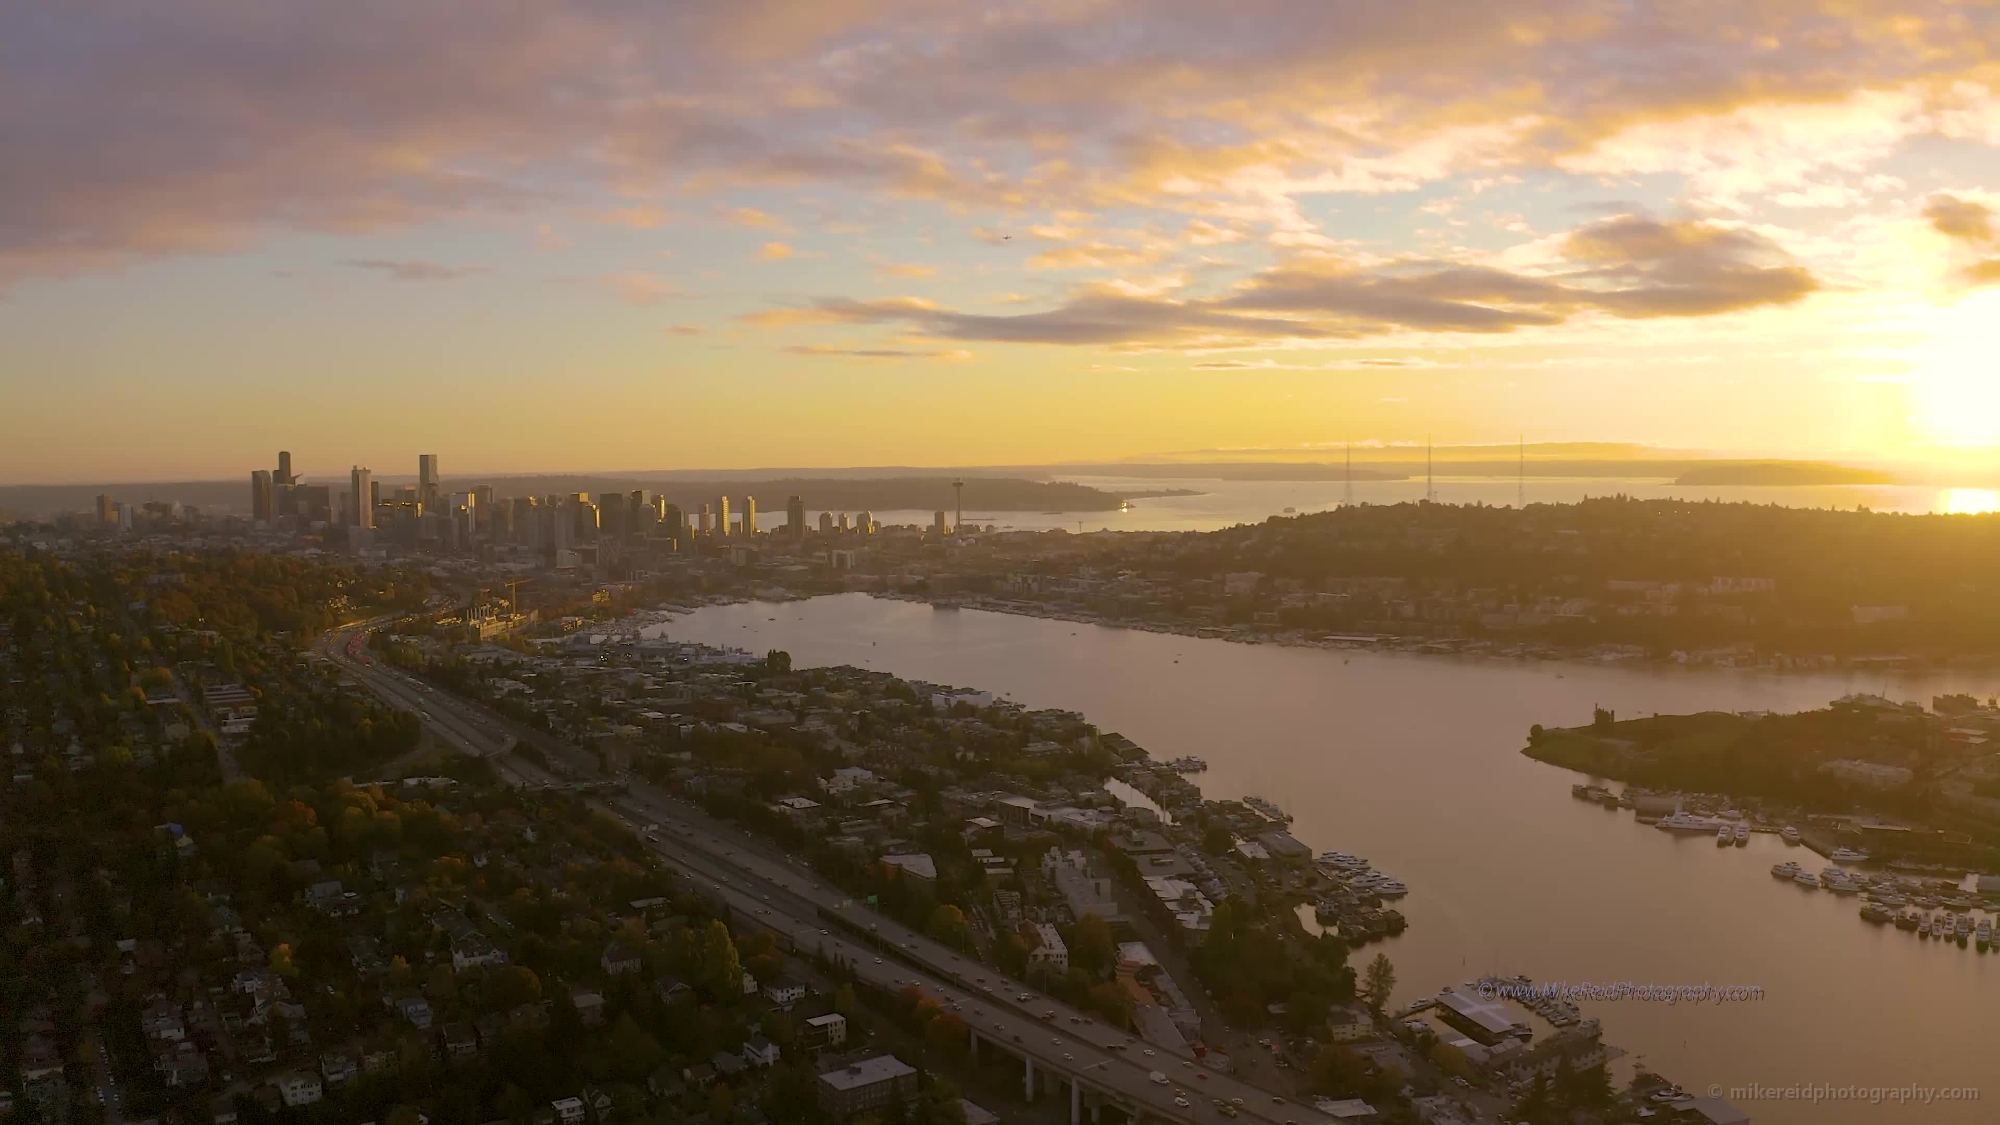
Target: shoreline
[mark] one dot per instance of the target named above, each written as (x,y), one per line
(1388,643)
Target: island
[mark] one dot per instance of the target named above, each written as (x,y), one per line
(1775,473)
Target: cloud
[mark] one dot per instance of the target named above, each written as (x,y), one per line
(819,351)
(751,217)
(413,270)
(1628,267)
(774,251)
(1962,219)
(1091,255)
(266,118)
(904,269)
(686,330)
(641,289)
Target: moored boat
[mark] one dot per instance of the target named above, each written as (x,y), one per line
(1789,834)
(1742,835)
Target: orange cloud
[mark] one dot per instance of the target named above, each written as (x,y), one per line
(774,251)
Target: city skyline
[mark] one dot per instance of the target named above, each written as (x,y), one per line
(1004,238)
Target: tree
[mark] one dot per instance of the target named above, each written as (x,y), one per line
(947,925)
(720,969)
(513,985)
(1216,840)
(441,985)
(1379,983)
(778,661)
(1091,945)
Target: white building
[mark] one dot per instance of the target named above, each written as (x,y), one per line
(299,1089)
(1052,952)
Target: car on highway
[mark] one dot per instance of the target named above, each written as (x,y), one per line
(1181,1102)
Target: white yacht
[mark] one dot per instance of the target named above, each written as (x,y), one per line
(1679,821)
(1390,888)
(1785,870)
(1742,835)
(1789,834)
(1848,855)
(1724,835)
(1985,935)
(1806,879)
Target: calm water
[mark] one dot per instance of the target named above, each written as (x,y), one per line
(1414,763)
(1225,503)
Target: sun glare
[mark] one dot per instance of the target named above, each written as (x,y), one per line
(1955,383)
(1968,501)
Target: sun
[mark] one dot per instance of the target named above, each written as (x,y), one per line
(1955,378)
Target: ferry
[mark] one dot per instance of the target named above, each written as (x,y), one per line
(1742,835)
(1848,855)
(1785,870)
(1789,834)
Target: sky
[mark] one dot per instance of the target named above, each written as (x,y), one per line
(625,234)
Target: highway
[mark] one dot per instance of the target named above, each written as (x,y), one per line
(759,882)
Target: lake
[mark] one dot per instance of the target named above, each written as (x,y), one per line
(1414,763)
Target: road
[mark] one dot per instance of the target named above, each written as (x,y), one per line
(106,1084)
(760,882)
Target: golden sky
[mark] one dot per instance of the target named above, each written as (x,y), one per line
(723,233)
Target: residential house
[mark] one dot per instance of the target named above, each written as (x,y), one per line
(337,1067)
(460,1041)
(298,1088)
(619,959)
(760,1052)
(415,1009)
(589,1007)
(784,992)
(823,1032)
(569,1111)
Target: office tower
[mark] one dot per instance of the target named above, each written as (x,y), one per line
(749,515)
(585,523)
(122,516)
(611,515)
(641,514)
(498,517)
(795,516)
(826,523)
(722,517)
(263,502)
(284,476)
(937,522)
(866,524)
(313,502)
(483,509)
(360,508)
(107,511)
(843,526)
(958,491)
(675,522)
(427,480)
(705,522)
(374,494)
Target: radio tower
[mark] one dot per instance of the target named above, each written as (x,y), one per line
(958,490)
(1347,498)
(1430,493)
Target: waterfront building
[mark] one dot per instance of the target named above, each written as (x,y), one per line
(795,516)
(749,515)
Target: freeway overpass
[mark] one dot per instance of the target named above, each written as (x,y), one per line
(1095,1065)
